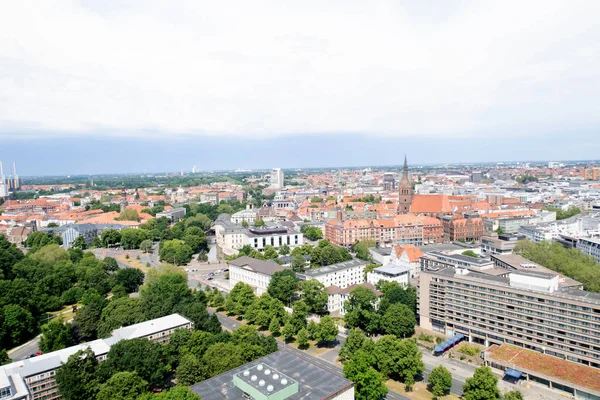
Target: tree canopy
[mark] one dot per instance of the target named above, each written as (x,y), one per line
(483,385)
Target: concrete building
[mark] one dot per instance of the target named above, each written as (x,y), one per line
(524,308)
(342,274)
(590,246)
(245,215)
(457,227)
(390,273)
(493,243)
(277,178)
(173,215)
(73,231)
(33,378)
(278,376)
(256,273)
(403,264)
(436,259)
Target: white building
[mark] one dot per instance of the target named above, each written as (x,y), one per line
(337,297)
(342,274)
(277,178)
(33,378)
(245,215)
(256,273)
(389,273)
(231,236)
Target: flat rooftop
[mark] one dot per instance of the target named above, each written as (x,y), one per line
(313,382)
(311,273)
(543,365)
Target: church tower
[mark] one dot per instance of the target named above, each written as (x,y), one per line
(123,198)
(405,191)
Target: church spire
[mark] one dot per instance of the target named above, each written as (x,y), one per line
(405,169)
(405,191)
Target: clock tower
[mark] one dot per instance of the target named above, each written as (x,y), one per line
(405,191)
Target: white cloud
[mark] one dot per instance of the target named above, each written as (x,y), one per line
(270,68)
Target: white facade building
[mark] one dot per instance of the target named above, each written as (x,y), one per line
(590,247)
(245,215)
(337,297)
(34,378)
(390,273)
(277,178)
(256,273)
(342,274)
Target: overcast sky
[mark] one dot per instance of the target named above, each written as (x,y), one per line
(233,72)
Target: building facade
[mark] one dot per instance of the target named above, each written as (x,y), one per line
(34,378)
(405,191)
(277,178)
(460,228)
(526,309)
(256,273)
(342,274)
(590,246)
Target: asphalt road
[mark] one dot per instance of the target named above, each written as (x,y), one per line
(24,351)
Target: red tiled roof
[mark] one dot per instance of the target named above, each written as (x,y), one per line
(430,203)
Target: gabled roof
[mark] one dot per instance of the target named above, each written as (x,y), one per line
(260,266)
(430,203)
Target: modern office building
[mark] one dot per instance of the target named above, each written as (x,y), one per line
(590,246)
(493,243)
(173,215)
(34,378)
(530,309)
(342,274)
(278,376)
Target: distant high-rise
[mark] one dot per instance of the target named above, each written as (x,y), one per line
(405,191)
(3,184)
(16,182)
(123,198)
(277,178)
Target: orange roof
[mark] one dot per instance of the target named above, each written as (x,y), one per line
(568,371)
(413,252)
(430,203)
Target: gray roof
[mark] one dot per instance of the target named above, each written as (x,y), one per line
(384,251)
(313,382)
(311,273)
(260,266)
(393,270)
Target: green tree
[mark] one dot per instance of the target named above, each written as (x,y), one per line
(190,370)
(85,323)
(514,395)
(175,251)
(129,214)
(4,358)
(298,263)
(239,299)
(299,315)
(398,320)
(470,253)
(78,378)
(361,248)
(146,246)
(120,313)
(311,232)
(218,300)
(399,358)
(360,310)
(143,356)
(355,341)
(122,386)
(18,324)
(79,243)
(56,335)
(394,293)
(302,339)
(288,331)
(130,278)
(284,250)
(368,383)
(270,253)
(314,294)
(440,381)
(274,326)
(176,393)
(326,330)
(110,264)
(245,223)
(221,357)
(110,237)
(283,285)
(482,386)
(259,223)
(132,238)
(162,296)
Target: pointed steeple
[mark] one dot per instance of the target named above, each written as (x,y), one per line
(405,164)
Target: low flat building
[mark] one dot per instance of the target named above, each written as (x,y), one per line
(342,274)
(390,273)
(279,376)
(34,378)
(498,244)
(173,215)
(566,377)
(437,258)
(256,273)
(381,255)
(515,262)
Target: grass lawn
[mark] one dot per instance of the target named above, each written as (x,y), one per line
(419,391)
(66,313)
(133,263)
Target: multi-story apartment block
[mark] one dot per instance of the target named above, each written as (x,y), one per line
(342,274)
(256,273)
(460,228)
(34,378)
(277,178)
(337,297)
(523,308)
(405,228)
(436,259)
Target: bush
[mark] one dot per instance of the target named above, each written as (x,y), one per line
(425,338)
(468,350)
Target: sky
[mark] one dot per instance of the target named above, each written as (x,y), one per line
(89,86)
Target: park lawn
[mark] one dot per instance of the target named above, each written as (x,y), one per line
(133,263)
(419,391)
(66,313)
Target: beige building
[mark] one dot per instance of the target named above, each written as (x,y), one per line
(530,309)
